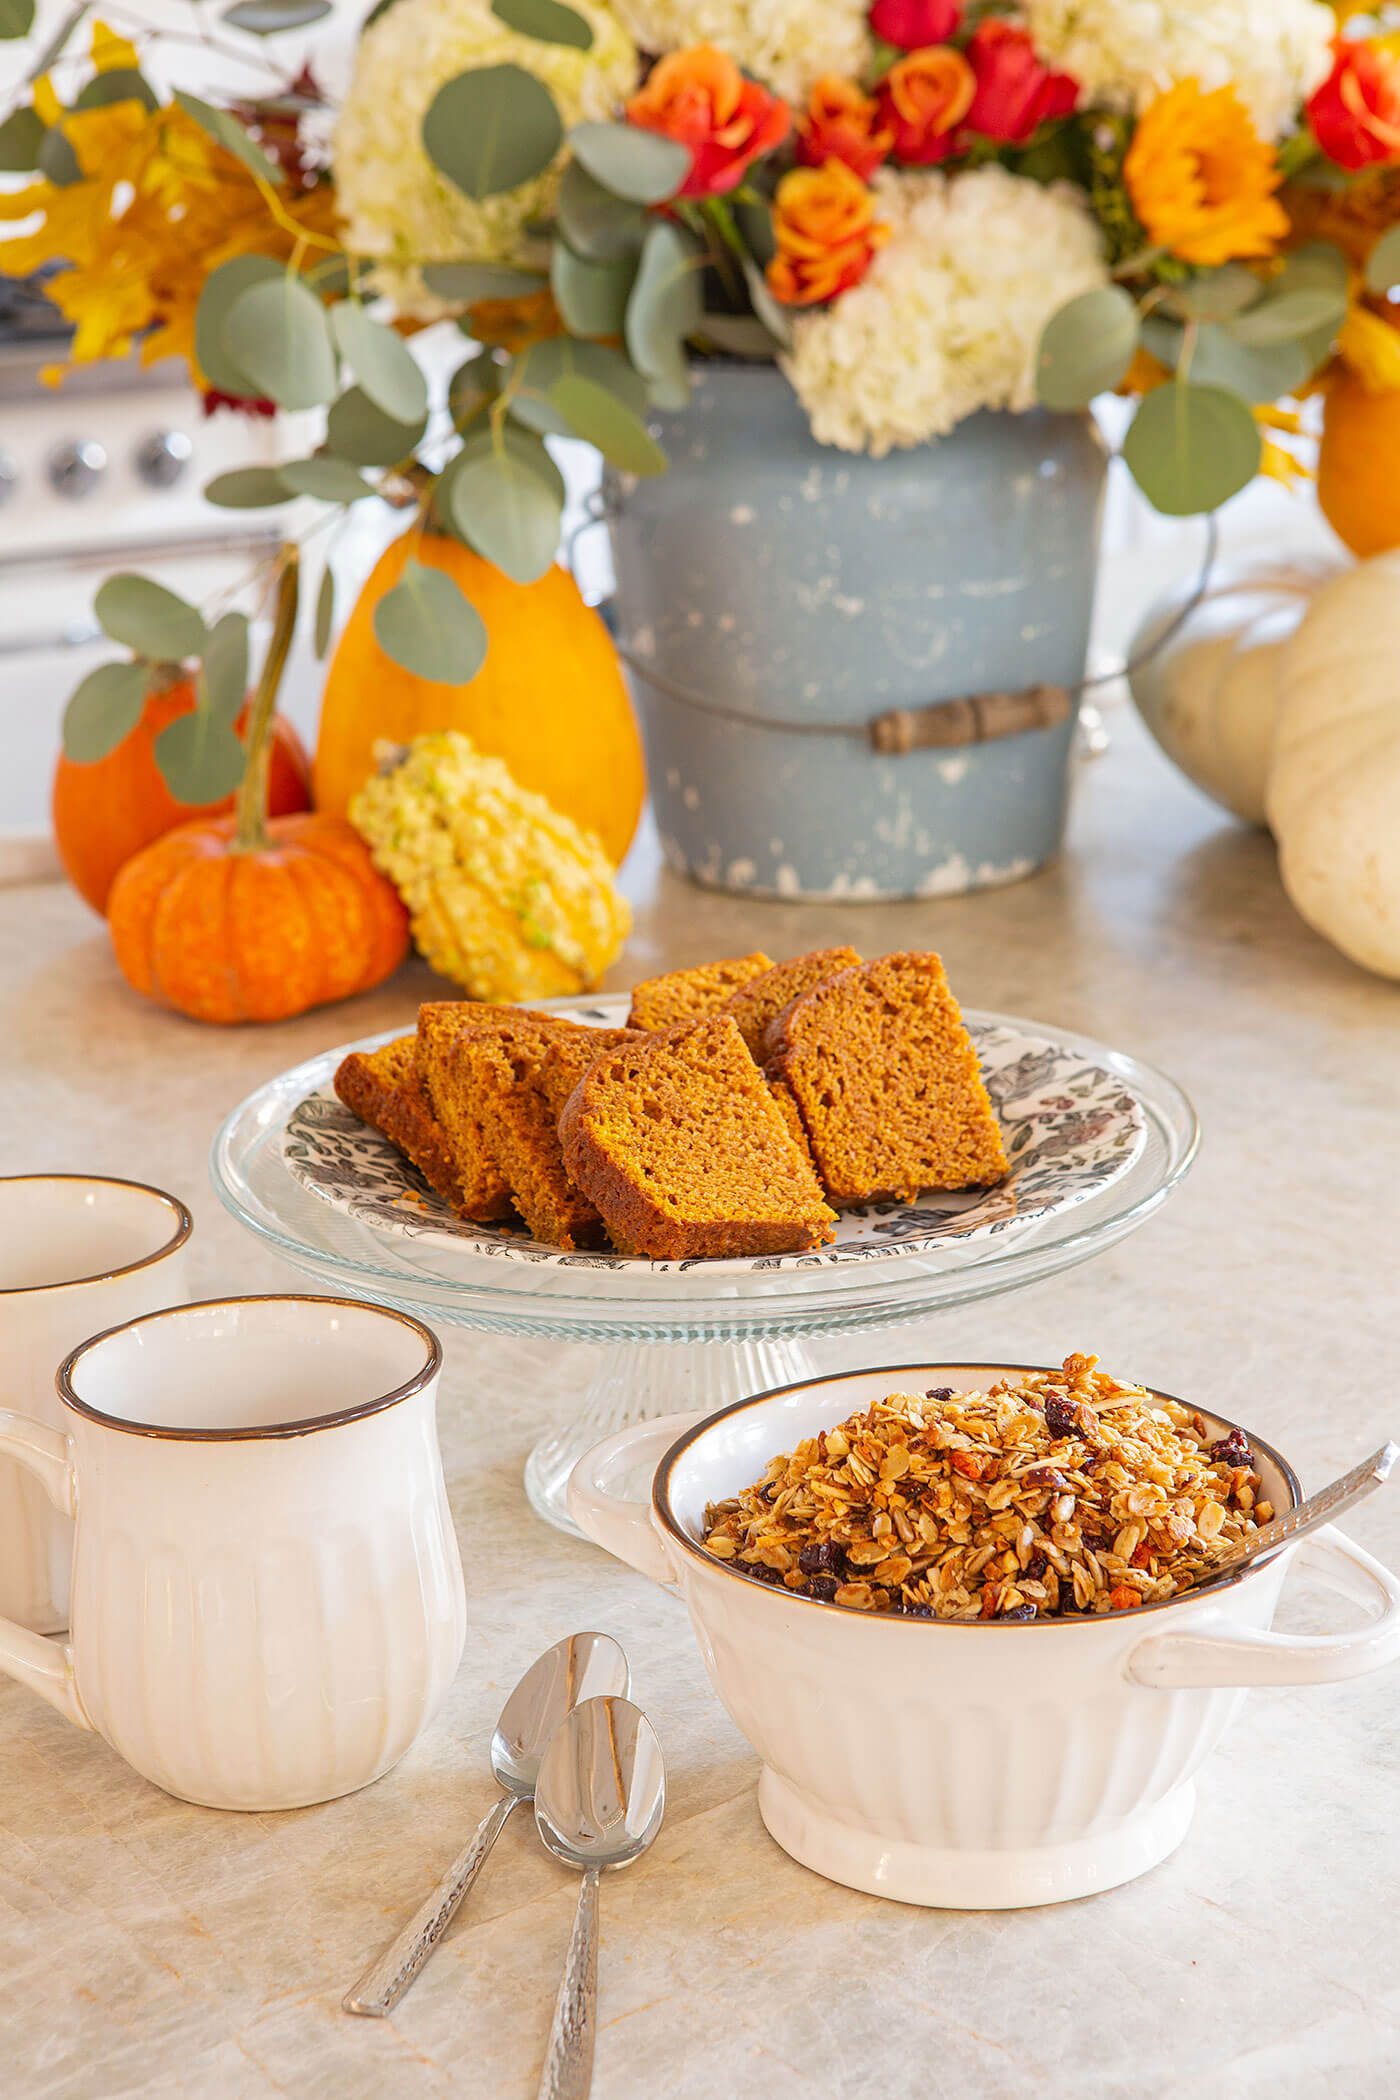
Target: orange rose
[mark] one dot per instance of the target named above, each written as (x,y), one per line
(923,99)
(842,124)
(701,98)
(1356,111)
(825,226)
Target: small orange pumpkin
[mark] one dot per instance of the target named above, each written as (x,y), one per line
(105,812)
(227,932)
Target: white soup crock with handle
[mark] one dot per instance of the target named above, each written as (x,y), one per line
(267,1601)
(966,1765)
(78,1253)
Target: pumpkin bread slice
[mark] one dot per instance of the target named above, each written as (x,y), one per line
(484,1192)
(500,1068)
(568,1057)
(685,1152)
(759,1002)
(887,1082)
(384,1088)
(687,995)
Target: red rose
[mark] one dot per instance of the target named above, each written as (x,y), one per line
(923,99)
(1015,93)
(1356,112)
(701,98)
(913,24)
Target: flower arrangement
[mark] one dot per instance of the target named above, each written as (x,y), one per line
(920,208)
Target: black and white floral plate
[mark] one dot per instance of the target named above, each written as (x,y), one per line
(1071,1127)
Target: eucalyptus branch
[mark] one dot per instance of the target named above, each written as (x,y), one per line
(250,803)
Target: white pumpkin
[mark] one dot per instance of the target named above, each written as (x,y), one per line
(1209,693)
(1334,779)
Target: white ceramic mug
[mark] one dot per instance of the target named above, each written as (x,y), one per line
(77,1253)
(962,1764)
(267,1596)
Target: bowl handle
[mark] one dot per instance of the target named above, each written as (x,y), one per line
(1220,1653)
(620,1522)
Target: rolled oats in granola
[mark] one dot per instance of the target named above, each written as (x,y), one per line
(1049,1494)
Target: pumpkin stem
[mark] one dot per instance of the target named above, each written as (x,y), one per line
(250,805)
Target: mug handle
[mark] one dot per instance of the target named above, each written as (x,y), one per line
(1220,1654)
(45,1665)
(620,1523)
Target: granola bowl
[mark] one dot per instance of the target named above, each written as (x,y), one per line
(963,1762)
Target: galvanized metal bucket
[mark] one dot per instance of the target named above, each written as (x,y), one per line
(774,595)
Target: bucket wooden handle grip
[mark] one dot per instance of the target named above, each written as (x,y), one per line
(977,718)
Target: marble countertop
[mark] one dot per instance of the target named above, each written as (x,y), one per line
(155,1950)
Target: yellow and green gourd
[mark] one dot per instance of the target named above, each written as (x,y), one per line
(507,897)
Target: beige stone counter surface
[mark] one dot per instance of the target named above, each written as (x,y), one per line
(151,1949)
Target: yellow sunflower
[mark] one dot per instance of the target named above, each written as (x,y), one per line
(1201,179)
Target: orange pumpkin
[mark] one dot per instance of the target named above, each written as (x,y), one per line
(229,932)
(1357,490)
(105,812)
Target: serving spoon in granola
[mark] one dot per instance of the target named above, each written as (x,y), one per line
(1315,1510)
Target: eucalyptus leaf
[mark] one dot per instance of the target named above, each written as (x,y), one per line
(1190,448)
(223,287)
(247,488)
(591,296)
(491,129)
(527,447)
(325,612)
(328,480)
(1383,263)
(1086,347)
(226,131)
(118,84)
(600,418)
(382,362)
(200,756)
(507,512)
(664,308)
(1215,295)
(223,675)
(103,709)
(1255,374)
(57,160)
(271,17)
(425,624)
(739,335)
(539,368)
(276,332)
(593,221)
(640,165)
(1318,262)
(1285,316)
(754,219)
(472,386)
(21,137)
(467,282)
(148,618)
(547,21)
(16,18)
(358,431)
(769,310)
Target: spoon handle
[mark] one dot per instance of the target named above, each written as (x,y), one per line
(568,2064)
(1362,1480)
(382,1985)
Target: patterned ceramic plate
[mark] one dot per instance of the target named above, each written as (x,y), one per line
(1070,1127)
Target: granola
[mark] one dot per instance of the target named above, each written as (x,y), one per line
(1050,1494)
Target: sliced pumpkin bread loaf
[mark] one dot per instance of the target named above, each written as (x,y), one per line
(384,1088)
(681,1146)
(686,995)
(759,1002)
(500,1069)
(886,1078)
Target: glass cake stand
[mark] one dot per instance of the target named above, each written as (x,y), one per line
(671,1337)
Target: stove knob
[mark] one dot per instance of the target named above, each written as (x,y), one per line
(9,476)
(162,457)
(76,468)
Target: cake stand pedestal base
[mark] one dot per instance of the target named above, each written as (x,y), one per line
(636,1381)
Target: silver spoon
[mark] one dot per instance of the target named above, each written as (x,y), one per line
(582,1667)
(599,1801)
(1362,1480)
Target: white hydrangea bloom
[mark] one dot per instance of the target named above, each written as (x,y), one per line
(1125,52)
(949,317)
(786,44)
(396,206)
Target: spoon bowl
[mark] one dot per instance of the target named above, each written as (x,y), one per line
(601,1790)
(585,1666)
